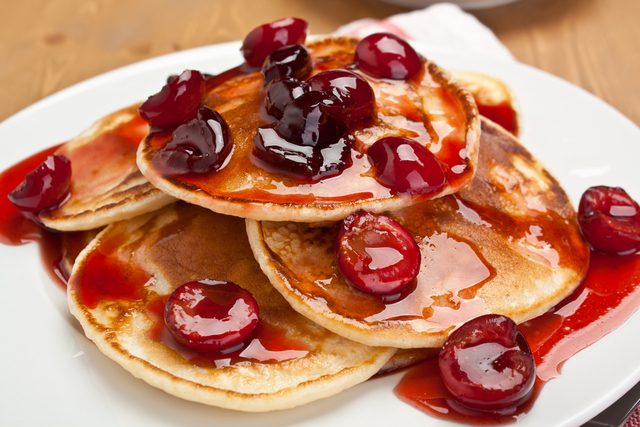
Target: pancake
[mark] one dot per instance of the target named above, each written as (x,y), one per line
(106,184)
(121,281)
(431,109)
(494,98)
(508,243)
(406,357)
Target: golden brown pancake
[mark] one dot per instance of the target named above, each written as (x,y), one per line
(432,109)
(507,243)
(106,184)
(121,282)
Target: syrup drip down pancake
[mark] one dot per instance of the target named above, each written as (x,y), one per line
(106,184)
(430,108)
(120,284)
(508,243)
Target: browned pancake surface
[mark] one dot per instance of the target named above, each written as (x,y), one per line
(507,243)
(432,109)
(121,281)
(106,184)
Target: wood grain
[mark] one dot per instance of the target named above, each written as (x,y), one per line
(47,45)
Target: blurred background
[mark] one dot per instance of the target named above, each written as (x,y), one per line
(47,45)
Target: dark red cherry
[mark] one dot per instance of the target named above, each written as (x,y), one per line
(376,254)
(289,61)
(210,315)
(305,162)
(178,100)
(46,187)
(263,40)
(387,56)
(281,92)
(198,146)
(487,364)
(609,219)
(306,121)
(355,96)
(406,167)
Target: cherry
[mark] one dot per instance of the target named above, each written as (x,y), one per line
(355,96)
(281,92)
(178,100)
(289,61)
(46,187)
(211,315)
(406,167)
(376,254)
(305,162)
(487,364)
(200,145)
(263,40)
(306,121)
(609,219)
(387,56)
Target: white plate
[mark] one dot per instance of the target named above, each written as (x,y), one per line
(52,375)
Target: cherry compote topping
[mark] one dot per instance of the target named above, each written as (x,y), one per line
(376,254)
(387,56)
(487,364)
(305,162)
(281,92)
(354,95)
(406,167)
(609,219)
(210,315)
(307,142)
(200,145)
(263,40)
(46,187)
(306,121)
(289,61)
(178,100)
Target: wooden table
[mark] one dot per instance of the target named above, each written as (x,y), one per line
(47,45)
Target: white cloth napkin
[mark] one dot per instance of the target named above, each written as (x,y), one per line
(444,25)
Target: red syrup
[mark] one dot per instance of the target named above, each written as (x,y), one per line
(18,228)
(609,295)
(502,114)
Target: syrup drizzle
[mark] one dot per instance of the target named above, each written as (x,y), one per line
(608,296)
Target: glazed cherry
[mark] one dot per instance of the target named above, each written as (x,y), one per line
(406,167)
(305,162)
(487,364)
(376,254)
(355,96)
(609,219)
(46,187)
(289,61)
(263,40)
(198,146)
(178,100)
(281,92)
(387,56)
(306,121)
(211,315)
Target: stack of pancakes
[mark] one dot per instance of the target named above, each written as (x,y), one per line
(500,238)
